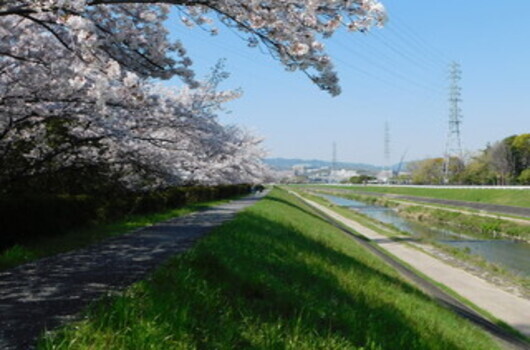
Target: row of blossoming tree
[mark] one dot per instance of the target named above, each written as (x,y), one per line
(79,91)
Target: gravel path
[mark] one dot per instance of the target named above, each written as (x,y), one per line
(512,309)
(48,292)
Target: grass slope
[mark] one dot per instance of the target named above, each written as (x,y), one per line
(276,277)
(79,238)
(519,198)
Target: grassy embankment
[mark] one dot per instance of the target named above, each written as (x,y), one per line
(78,238)
(276,277)
(471,225)
(519,198)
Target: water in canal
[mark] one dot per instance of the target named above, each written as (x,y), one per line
(513,255)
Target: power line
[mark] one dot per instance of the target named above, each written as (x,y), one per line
(398,50)
(373,62)
(387,82)
(387,145)
(379,53)
(334,157)
(392,60)
(427,47)
(407,42)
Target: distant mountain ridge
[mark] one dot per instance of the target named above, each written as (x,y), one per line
(288,163)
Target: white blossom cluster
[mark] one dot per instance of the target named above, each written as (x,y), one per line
(62,108)
(292,29)
(133,31)
(76,83)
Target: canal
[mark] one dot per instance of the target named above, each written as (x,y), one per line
(512,255)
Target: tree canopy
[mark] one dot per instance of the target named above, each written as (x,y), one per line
(505,162)
(78,85)
(132,32)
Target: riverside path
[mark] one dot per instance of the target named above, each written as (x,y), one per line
(49,292)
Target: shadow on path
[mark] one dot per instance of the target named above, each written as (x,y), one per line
(48,292)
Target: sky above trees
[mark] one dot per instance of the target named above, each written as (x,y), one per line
(397,73)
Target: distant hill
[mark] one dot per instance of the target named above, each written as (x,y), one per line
(287,164)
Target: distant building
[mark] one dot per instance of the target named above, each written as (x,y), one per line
(342,174)
(388,176)
(384,176)
(319,175)
(322,174)
(299,169)
(312,174)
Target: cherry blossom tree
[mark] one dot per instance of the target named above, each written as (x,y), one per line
(53,118)
(180,140)
(133,33)
(152,136)
(77,84)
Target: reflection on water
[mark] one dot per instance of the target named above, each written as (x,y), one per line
(514,255)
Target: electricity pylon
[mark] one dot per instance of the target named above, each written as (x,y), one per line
(453,146)
(387,151)
(334,157)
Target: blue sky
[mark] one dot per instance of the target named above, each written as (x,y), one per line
(396,74)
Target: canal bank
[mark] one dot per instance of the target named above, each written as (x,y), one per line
(507,307)
(445,242)
(511,254)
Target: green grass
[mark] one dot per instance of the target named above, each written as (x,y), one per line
(276,277)
(519,198)
(79,238)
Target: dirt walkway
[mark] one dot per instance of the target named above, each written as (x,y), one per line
(511,309)
(46,293)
